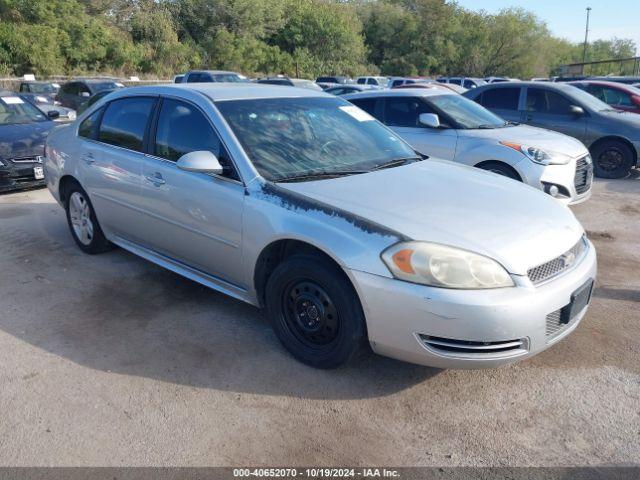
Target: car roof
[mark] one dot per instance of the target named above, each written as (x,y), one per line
(604,83)
(218,91)
(402,92)
(215,72)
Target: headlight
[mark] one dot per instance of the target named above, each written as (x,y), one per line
(441,266)
(538,155)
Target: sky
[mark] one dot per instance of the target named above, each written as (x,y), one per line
(567,18)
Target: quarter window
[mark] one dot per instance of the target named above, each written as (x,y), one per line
(125,121)
(501,98)
(182,128)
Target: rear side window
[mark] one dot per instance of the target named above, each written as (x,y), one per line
(457,81)
(24,87)
(368,105)
(395,83)
(501,98)
(546,101)
(194,78)
(89,125)
(362,81)
(125,121)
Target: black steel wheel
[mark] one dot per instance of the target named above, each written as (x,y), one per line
(315,312)
(612,159)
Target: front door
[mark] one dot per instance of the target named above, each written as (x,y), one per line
(401,115)
(194,218)
(548,109)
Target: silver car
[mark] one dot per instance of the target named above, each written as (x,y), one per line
(301,203)
(445,125)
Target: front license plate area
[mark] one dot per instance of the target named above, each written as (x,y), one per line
(38,173)
(579,299)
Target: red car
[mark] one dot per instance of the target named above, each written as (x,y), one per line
(618,95)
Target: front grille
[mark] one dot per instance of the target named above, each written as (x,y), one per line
(558,265)
(453,346)
(32,159)
(584,175)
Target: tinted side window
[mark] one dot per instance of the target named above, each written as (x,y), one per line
(362,81)
(395,83)
(617,97)
(546,101)
(125,121)
(194,78)
(89,125)
(24,87)
(367,104)
(371,81)
(404,111)
(70,88)
(502,98)
(457,81)
(182,128)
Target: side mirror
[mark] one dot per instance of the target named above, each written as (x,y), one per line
(430,120)
(576,110)
(200,161)
(635,99)
(53,114)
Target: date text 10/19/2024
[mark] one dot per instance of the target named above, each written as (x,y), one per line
(316,473)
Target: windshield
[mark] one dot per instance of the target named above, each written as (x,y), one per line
(14,110)
(585,99)
(294,137)
(43,88)
(465,113)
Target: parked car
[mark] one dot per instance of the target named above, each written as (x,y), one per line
(376,81)
(23,129)
(334,79)
(96,97)
(613,137)
(212,76)
(500,79)
(291,82)
(48,90)
(619,95)
(75,93)
(299,202)
(395,82)
(46,105)
(346,89)
(442,124)
(449,86)
(466,82)
(179,78)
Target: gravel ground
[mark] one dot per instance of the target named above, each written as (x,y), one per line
(110,360)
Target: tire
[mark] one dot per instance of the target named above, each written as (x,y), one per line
(82,221)
(612,159)
(500,169)
(315,311)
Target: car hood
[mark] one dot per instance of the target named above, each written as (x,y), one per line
(451,204)
(532,137)
(23,140)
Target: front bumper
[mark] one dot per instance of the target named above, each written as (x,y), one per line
(573,180)
(401,315)
(14,177)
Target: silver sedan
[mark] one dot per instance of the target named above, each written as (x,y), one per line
(301,203)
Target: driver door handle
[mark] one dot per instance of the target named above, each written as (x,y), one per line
(156,179)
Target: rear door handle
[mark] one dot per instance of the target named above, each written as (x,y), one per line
(88,158)
(156,179)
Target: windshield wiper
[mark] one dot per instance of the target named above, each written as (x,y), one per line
(313,175)
(396,162)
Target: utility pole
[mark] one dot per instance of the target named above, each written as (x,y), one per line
(586,39)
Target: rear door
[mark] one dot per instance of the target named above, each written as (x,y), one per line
(401,115)
(113,140)
(194,218)
(550,109)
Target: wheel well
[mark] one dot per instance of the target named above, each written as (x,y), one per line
(486,163)
(63,187)
(599,141)
(275,253)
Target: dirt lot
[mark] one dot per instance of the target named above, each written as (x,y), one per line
(109,360)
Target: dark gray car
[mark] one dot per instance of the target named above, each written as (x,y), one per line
(76,93)
(612,136)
